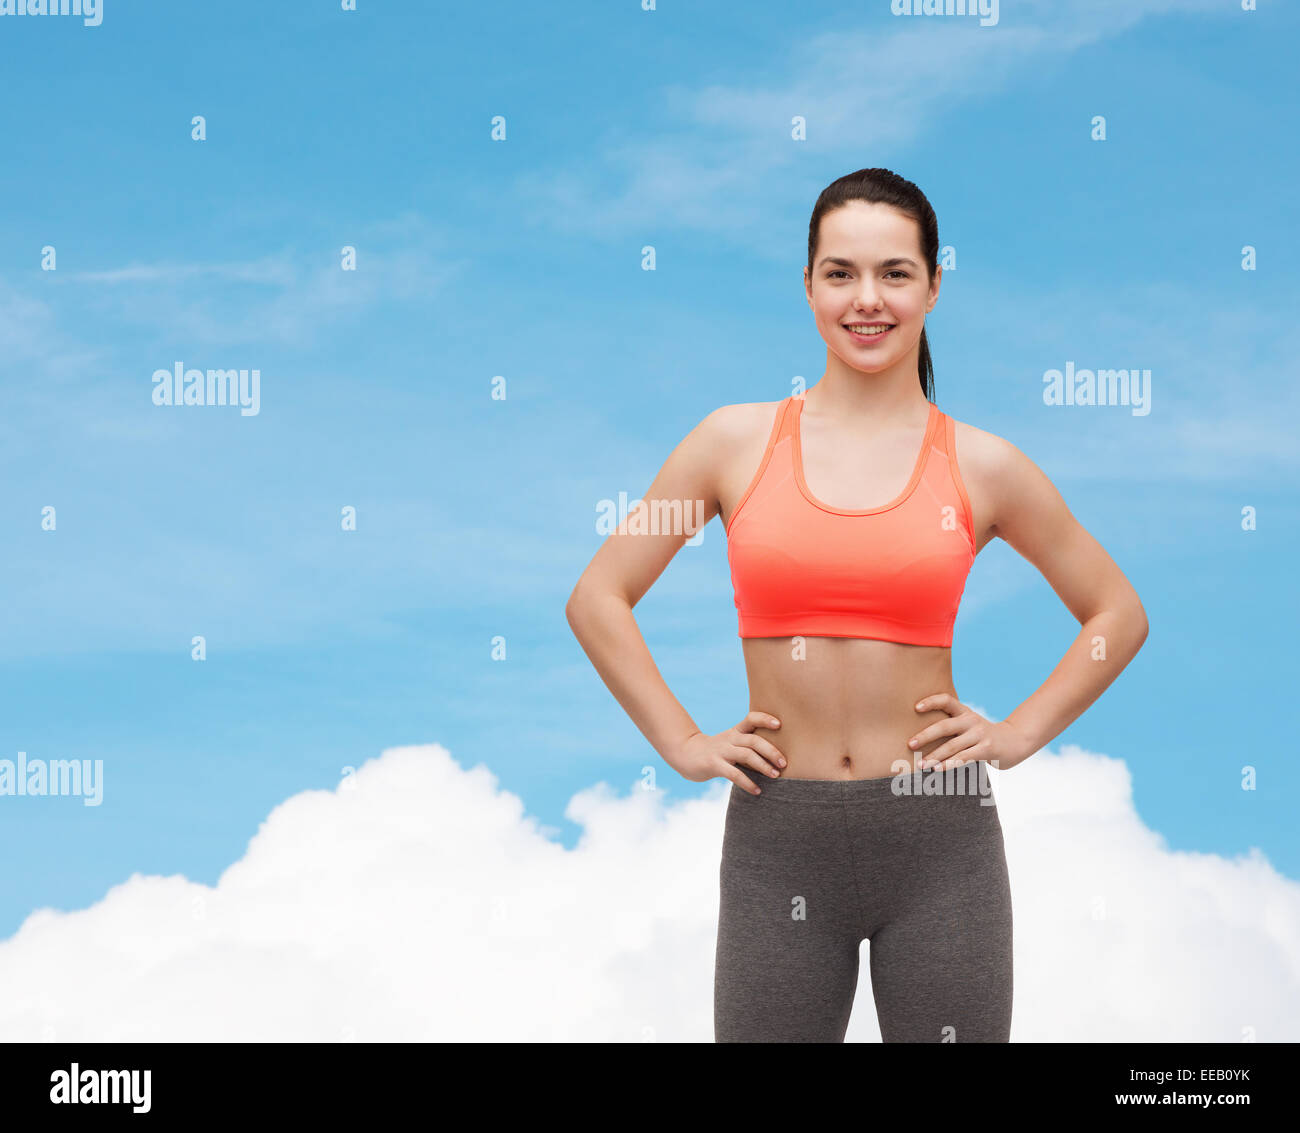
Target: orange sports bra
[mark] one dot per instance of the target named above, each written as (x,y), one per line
(894,572)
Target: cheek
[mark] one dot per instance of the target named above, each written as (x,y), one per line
(911,306)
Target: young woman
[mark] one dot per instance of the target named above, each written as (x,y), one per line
(853,513)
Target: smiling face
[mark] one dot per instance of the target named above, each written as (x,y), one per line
(870,269)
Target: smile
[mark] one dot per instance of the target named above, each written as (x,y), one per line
(866,331)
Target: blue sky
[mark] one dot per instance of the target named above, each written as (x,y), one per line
(522,259)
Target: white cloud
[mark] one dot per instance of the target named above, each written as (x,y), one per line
(422,903)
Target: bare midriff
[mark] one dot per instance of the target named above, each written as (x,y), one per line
(847,706)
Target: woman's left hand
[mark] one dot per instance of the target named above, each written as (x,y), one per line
(972,737)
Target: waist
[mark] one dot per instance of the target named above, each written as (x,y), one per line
(847,706)
(970,781)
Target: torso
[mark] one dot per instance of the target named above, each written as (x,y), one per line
(846,705)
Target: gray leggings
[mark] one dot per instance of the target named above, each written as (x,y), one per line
(812,867)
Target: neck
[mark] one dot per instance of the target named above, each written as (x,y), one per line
(892,394)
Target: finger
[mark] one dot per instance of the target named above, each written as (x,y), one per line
(757,719)
(957,761)
(940,701)
(757,762)
(763,746)
(945,755)
(948,726)
(738,777)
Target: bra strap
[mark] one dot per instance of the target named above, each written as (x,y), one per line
(789,414)
(942,439)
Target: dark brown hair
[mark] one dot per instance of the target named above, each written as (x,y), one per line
(882,186)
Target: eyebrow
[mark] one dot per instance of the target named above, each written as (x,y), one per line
(896,260)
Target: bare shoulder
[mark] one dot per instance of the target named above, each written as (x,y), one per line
(1004,485)
(981,453)
(731,434)
(993,458)
(736,424)
(737,436)
(705,460)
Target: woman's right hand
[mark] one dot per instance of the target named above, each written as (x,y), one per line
(703,757)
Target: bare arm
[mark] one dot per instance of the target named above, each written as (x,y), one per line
(1030,515)
(599,610)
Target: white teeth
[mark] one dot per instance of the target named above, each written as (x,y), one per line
(859,328)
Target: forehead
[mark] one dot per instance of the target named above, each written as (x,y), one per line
(861,224)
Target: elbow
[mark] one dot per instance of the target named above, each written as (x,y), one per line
(578,608)
(585,605)
(1142,626)
(572,610)
(1126,623)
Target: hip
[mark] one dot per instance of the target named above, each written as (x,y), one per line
(907,849)
(931,820)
